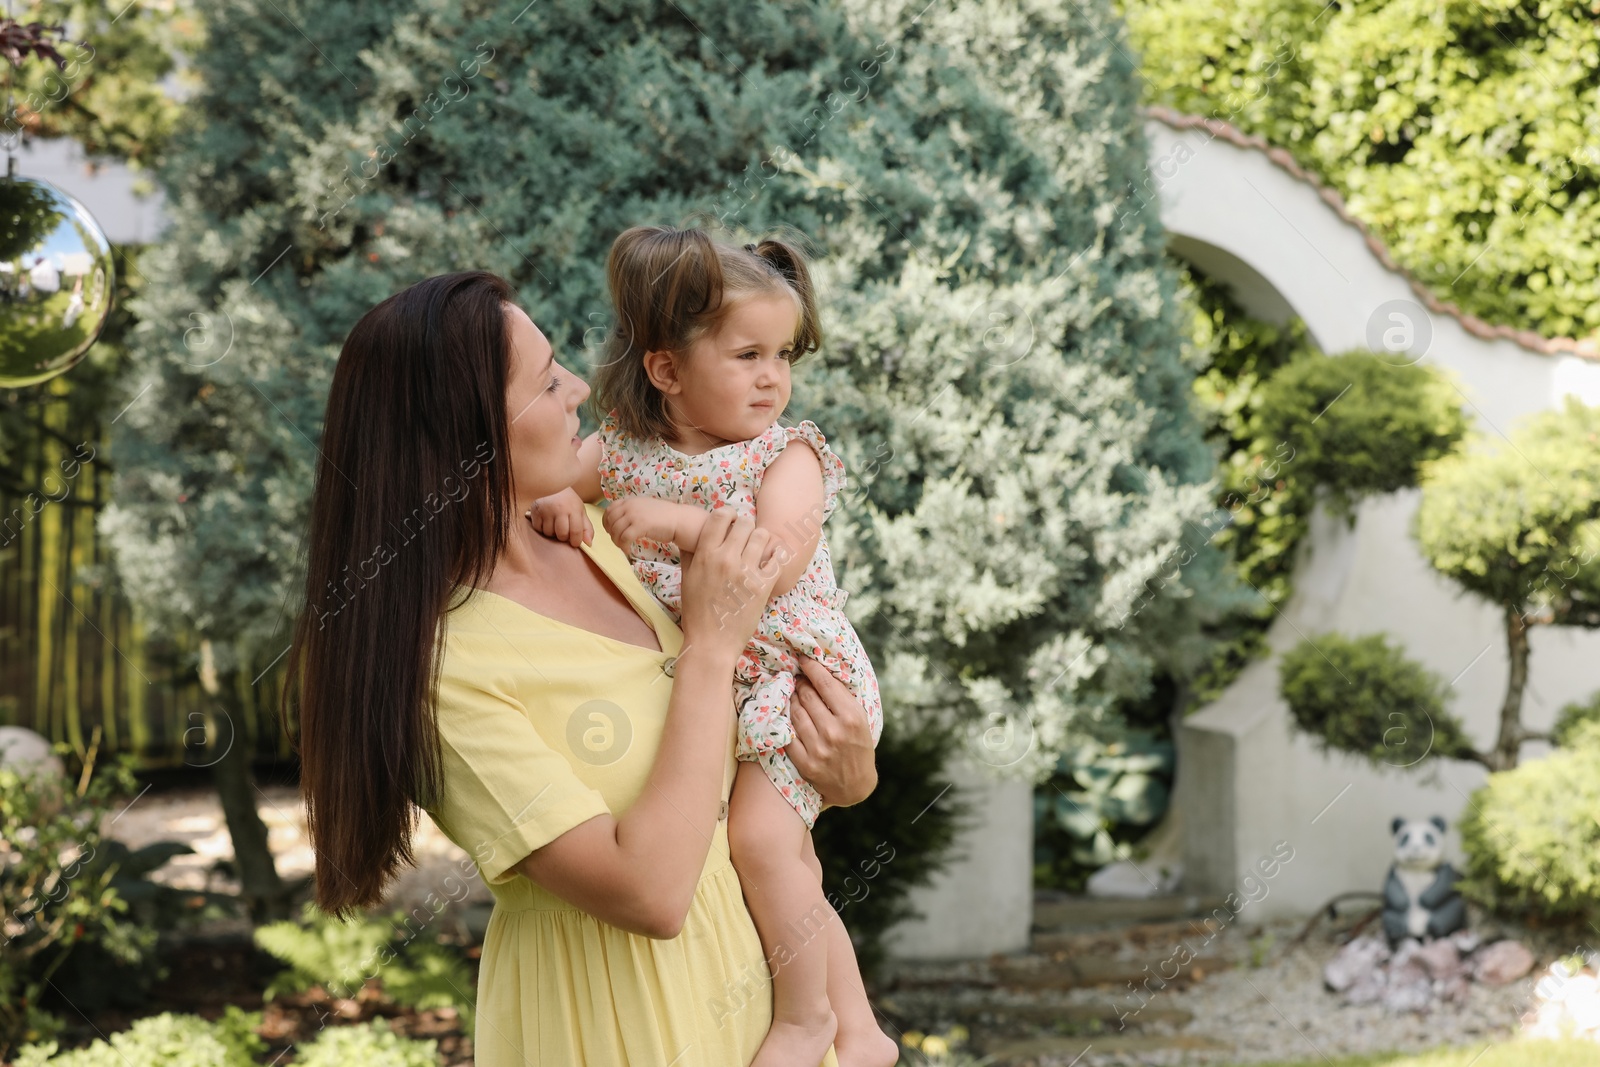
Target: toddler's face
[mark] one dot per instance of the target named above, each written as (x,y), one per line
(734,382)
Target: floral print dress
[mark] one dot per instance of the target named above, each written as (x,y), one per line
(807,620)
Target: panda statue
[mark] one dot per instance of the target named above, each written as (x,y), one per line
(1420,899)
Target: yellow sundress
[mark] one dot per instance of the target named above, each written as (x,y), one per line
(544,726)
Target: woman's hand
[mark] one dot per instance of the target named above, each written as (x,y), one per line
(832,746)
(726,584)
(561,517)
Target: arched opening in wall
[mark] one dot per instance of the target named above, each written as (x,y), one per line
(1254,295)
(1103,822)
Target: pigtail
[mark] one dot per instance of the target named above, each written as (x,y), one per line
(790,264)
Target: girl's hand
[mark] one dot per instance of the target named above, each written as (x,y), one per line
(561,516)
(642,517)
(726,584)
(832,746)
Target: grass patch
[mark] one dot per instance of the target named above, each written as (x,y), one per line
(1509,1054)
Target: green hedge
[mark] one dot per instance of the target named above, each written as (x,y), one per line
(1460,134)
(173,1040)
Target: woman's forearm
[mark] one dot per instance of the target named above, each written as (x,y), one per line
(638,871)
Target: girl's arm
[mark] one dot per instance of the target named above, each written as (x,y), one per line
(790,504)
(639,870)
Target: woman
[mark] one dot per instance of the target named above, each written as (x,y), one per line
(533,697)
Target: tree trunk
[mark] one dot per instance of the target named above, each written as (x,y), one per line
(1509,745)
(229,752)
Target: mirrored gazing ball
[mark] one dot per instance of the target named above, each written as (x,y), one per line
(56,281)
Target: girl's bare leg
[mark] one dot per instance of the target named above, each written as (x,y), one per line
(861,1041)
(767,841)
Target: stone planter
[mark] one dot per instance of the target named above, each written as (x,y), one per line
(982,902)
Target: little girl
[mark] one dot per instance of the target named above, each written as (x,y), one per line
(695,378)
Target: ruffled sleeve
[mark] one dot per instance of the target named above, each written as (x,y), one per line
(771,444)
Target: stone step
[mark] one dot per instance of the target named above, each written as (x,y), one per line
(1055,912)
(1076,972)
(1068,1048)
(1155,937)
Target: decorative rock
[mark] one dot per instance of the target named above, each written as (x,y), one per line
(1409,987)
(1456,990)
(1501,963)
(1127,880)
(1441,959)
(1419,975)
(1355,961)
(21,749)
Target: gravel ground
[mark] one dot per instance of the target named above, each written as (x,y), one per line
(194,816)
(1266,1002)
(1280,1010)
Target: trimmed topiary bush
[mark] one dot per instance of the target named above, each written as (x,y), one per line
(1572,718)
(1364,696)
(1517,525)
(1358,425)
(1532,834)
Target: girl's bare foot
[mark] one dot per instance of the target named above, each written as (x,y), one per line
(864,1049)
(797,1042)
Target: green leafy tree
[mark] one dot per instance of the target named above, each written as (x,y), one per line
(1518,525)
(1002,370)
(116,89)
(1297,427)
(1458,132)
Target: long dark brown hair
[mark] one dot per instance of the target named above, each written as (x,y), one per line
(670,287)
(413,500)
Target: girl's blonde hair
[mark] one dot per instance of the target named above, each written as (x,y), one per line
(671,287)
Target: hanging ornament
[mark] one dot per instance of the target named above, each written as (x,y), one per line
(56,272)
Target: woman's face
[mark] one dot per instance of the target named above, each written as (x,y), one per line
(542,399)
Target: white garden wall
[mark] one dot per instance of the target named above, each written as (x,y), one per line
(1252,219)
